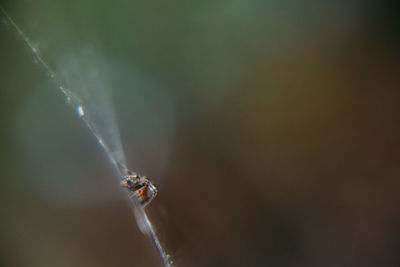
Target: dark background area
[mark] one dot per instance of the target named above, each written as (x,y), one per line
(270,127)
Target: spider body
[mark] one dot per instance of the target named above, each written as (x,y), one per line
(141,187)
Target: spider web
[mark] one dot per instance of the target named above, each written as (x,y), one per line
(81,78)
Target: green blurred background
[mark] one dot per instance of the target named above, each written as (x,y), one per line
(270,127)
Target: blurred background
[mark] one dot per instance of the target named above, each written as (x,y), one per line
(270,127)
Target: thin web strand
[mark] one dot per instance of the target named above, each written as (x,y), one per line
(120,165)
(72,99)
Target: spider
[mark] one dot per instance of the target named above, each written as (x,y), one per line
(141,187)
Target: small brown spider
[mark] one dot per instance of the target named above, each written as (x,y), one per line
(141,186)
